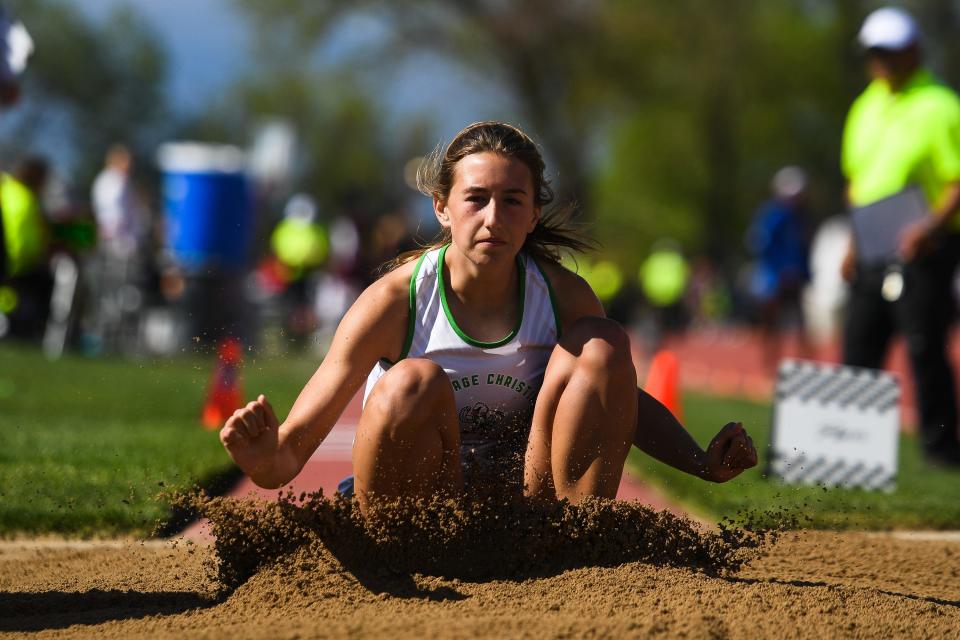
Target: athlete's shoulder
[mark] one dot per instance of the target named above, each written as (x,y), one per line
(377,321)
(574,297)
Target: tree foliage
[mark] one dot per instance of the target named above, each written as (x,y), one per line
(723,95)
(347,160)
(663,118)
(533,48)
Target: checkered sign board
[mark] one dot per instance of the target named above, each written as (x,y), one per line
(835,426)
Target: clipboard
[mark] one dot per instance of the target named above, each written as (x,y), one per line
(877,226)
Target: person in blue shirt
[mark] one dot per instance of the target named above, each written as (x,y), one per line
(779,241)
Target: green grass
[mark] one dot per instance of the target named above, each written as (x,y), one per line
(926,497)
(85,444)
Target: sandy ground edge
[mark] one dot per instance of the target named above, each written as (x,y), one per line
(80,544)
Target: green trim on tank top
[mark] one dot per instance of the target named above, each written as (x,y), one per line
(522,288)
(412,310)
(553,297)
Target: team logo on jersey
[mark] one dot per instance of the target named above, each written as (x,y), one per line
(480,418)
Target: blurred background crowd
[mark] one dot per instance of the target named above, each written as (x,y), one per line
(249,184)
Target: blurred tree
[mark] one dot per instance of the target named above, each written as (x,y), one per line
(88,86)
(345,152)
(536,49)
(664,118)
(715,99)
(940,20)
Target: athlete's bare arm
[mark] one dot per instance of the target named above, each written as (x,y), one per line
(271,453)
(658,432)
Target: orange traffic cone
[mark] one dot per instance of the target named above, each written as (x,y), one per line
(663,382)
(224,395)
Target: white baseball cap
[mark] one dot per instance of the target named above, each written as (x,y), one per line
(789,182)
(301,207)
(889,28)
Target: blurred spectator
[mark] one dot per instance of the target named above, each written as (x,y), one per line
(827,293)
(903,131)
(26,287)
(338,287)
(72,237)
(664,277)
(117,275)
(344,245)
(779,242)
(300,244)
(122,220)
(707,298)
(299,241)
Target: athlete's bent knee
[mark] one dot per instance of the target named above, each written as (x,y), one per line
(407,388)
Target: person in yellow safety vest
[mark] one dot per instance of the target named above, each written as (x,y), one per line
(902,134)
(299,241)
(25,230)
(26,283)
(663,280)
(301,245)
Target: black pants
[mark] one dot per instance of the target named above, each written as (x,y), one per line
(923,315)
(28,320)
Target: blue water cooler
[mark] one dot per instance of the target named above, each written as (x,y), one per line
(209,232)
(208,205)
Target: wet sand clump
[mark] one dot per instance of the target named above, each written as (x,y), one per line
(470,538)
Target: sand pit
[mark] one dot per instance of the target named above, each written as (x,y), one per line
(679,580)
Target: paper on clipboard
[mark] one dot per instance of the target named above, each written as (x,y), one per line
(877,226)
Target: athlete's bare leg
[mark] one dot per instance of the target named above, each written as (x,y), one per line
(408,439)
(585,416)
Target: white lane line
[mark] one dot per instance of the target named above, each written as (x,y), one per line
(928,536)
(338,444)
(8,546)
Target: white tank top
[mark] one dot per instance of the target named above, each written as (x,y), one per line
(495,383)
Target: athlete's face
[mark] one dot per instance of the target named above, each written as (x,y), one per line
(490,209)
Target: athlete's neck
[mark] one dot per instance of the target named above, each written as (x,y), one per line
(491,286)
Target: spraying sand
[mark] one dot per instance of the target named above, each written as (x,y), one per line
(481,568)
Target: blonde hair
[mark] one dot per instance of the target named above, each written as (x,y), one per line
(555,230)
